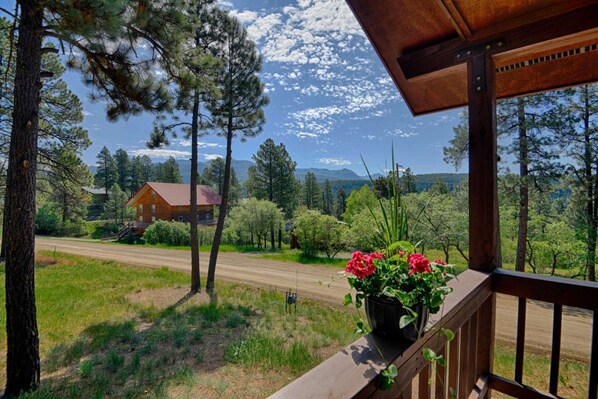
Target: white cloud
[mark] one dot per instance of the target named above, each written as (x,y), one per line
(161,153)
(210,157)
(334,161)
(87,113)
(244,16)
(400,133)
(200,144)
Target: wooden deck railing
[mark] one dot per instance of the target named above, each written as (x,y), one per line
(559,292)
(469,313)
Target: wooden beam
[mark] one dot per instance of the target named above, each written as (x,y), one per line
(480,389)
(454,15)
(483,193)
(444,55)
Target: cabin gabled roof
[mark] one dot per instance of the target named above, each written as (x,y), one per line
(177,194)
(537,45)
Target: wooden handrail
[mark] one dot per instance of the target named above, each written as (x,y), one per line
(353,372)
(556,290)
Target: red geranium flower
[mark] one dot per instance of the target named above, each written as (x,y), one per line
(419,264)
(362,265)
(440,262)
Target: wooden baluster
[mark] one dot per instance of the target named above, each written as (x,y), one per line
(453,374)
(593,388)
(441,376)
(557,321)
(521,316)
(472,378)
(424,383)
(464,385)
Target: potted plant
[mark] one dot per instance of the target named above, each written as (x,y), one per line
(399,288)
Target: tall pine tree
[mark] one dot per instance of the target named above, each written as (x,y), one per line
(238,112)
(311,193)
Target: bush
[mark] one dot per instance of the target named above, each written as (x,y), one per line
(316,232)
(169,233)
(74,228)
(47,220)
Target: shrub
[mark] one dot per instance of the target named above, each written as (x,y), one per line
(47,220)
(74,228)
(169,233)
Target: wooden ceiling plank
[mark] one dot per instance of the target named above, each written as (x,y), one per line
(444,55)
(456,18)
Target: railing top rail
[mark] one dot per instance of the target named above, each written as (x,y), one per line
(556,290)
(352,373)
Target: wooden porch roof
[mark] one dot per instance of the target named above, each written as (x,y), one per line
(537,45)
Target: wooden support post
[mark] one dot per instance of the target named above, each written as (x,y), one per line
(484,237)
(483,193)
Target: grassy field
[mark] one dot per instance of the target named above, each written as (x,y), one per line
(99,339)
(96,342)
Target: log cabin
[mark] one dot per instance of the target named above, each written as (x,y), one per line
(171,201)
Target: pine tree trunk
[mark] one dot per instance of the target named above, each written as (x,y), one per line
(23,365)
(222,215)
(523,188)
(591,219)
(195,276)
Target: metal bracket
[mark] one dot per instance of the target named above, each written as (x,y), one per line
(494,46)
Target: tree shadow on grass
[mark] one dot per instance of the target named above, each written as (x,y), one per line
(142,356)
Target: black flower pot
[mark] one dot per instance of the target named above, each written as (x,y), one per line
(384,316)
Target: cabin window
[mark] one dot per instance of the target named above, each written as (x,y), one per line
(153,208)
(153,195)
(180,218)
(140,207)
(140,219)
(153,219)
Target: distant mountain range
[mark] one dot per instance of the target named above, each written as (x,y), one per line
(345,178)
(241,167)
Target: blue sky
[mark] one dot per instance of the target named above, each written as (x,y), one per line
(331,98)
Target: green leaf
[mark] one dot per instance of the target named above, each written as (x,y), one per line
(452,392)
(348,300)
(360,328)
(405,321)
(429,354)
(441,361)
(450,335)
(387,377)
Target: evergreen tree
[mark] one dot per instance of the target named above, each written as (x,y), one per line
(580,141)
(101,37)
(327,199)
(273,176)
(214,174)
(195,77)
(407,182)
(169,172)
(123,169)
(137,172)
(341,203)
(115,208)
(238,111)
(65,179)
(147,169)
(106,172)
(312,196)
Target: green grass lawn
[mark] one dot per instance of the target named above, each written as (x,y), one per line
(95,342)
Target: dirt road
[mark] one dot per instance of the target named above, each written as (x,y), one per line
(251,269)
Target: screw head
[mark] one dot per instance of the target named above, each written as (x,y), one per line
(488,47)
(468,52)
(458,55)
(478,88)
(478,78)
(500,44)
